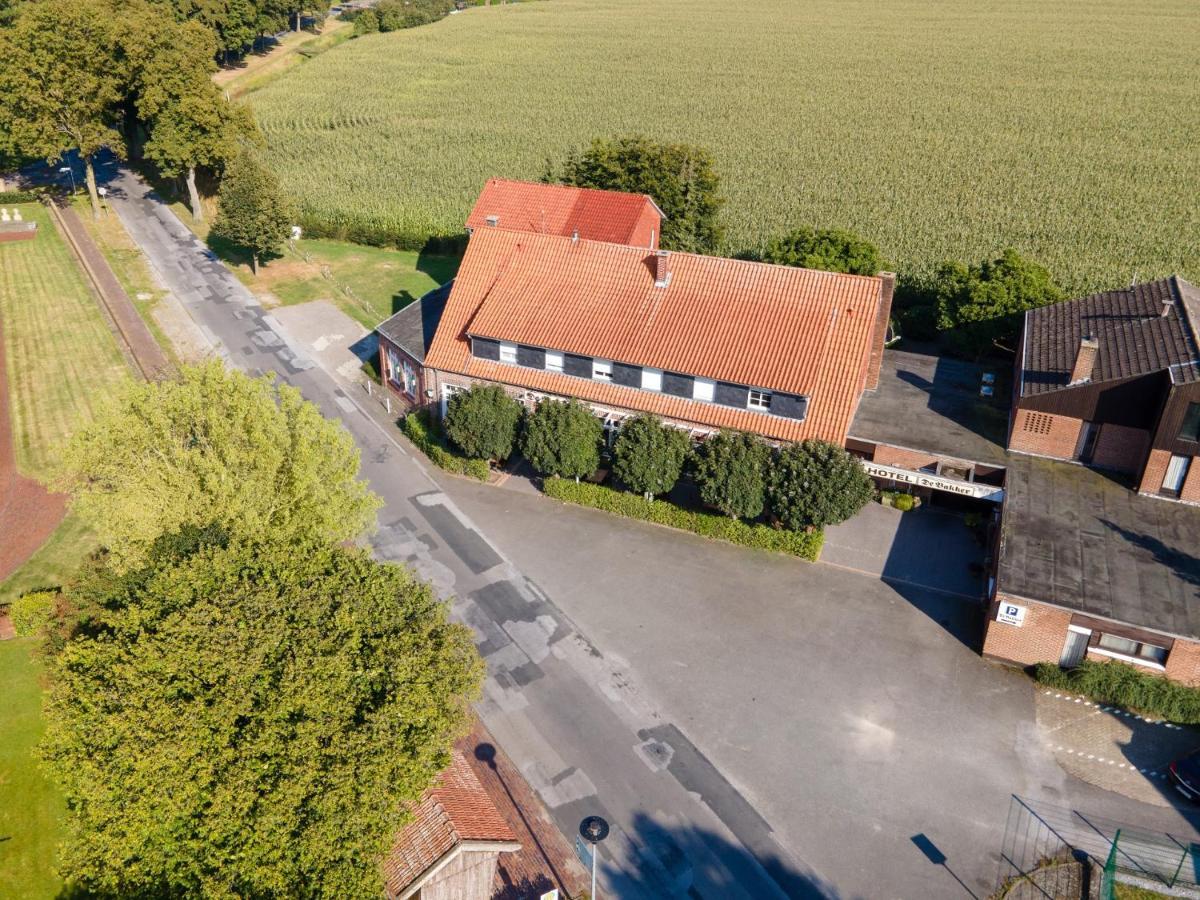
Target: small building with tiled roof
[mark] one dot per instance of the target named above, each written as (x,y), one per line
(563,210)
(1097,557)
(451,848)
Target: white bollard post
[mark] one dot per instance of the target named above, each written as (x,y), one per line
(388,401)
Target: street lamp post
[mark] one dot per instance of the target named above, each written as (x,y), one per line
(70,170)
(593,829)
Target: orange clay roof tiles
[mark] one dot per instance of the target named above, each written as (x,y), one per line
(455,809)
(786,329)
(561,209)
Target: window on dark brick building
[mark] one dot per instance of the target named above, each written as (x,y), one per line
(1191,423)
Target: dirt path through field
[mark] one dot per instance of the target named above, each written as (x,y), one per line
(28,512)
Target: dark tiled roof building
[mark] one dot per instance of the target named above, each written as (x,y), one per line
(1100,545)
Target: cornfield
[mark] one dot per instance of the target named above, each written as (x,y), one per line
(939,129)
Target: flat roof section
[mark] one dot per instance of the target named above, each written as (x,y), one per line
(932,403)
(1079,539)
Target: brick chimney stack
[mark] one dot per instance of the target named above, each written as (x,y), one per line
(1085,360)
(662,268)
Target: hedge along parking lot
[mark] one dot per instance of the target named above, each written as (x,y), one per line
(806,545)
(935,128)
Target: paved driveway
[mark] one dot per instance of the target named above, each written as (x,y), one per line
(926,547)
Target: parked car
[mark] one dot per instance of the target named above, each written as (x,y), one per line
(1185,775)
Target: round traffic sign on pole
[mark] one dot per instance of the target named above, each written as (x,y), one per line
(593,829)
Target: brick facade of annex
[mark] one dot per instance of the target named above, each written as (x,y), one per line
(1039,639)
(1043,434)
(1156,470)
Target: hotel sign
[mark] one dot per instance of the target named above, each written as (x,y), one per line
(937,482)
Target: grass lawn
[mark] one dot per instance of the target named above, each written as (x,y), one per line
(128,264)
(62,358)
(368,283)
(31,808)
(53,564)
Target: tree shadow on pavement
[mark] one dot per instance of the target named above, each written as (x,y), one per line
(696,862)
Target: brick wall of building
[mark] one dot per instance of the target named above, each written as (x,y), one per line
(1183,663)
(904,459)
(1039,639)
(1191,485)
(883,314)
(1156,468)
(1044,434)
(1121,448)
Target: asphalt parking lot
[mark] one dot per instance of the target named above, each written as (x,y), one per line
(853,714)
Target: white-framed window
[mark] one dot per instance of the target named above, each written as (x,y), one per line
(601,370)
(508,353)
(703,389)
(652,379)
(759,400)
(554,361)
(1133,649)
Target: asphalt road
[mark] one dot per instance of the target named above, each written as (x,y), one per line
(752,726)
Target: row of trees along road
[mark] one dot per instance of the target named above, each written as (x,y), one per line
(90,75)
(241,702)
(806,485)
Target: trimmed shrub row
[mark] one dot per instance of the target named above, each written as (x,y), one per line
(380,235)
(1120,684)
(18,197)
(32,612)
(424,433)
(631,506)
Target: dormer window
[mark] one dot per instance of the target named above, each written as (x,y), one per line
(652,379)
(760,400)
(554,361)
(601,370)
(508,353)
(703,389)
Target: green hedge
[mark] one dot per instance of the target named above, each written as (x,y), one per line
(423,432)
(32,612)
(17,197)
(1119,684)
(633,506)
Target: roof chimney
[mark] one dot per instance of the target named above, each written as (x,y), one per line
(662,268)
(1085,360)
(1167,304)
(492,221)
(575,236)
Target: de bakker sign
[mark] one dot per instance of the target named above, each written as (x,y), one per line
(937,482)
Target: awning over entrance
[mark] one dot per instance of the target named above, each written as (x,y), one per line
(936,482)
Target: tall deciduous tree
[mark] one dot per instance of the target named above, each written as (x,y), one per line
(562,439)
(191,122)
(61,80)
(649,455)
(252,211)
(816,483)
(250,720)
(680,178)
(483,422)
(979,307)
(215,446)
(730,469)
(825,248)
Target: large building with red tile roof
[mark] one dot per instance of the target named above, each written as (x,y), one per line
(592,215)
(704,342)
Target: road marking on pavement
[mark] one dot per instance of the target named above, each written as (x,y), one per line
(1112,709)
(1149,773)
